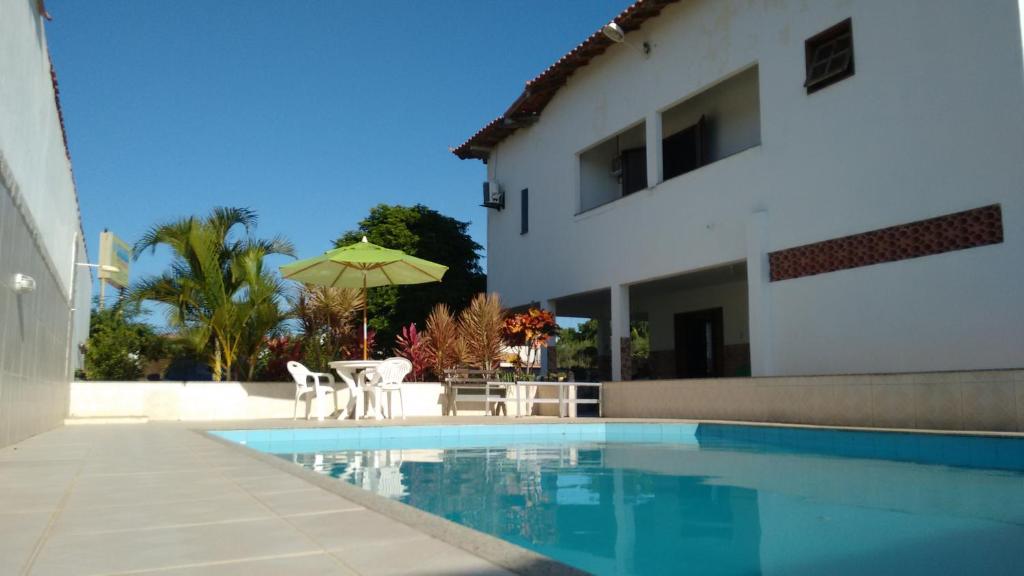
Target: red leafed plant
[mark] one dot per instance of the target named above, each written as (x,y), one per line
(416,349)
(531,329)
(352,343)
(279,352)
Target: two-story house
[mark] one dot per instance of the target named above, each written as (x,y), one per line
(777,187)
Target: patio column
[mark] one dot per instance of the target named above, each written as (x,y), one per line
(759,295)
(620,331)
(548,356)
(653,139)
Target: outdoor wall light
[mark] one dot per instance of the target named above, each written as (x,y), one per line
(23,284)
(615,33)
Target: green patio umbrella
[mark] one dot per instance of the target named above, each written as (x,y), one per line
(363,265)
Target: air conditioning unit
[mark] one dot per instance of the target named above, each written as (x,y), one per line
(493,195)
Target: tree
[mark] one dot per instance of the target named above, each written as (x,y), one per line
(217,292)
(444,346)
(577,347)
(531,329)
(428,234)
(482,331)
(119,343)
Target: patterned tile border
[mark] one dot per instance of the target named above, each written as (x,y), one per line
(958,231)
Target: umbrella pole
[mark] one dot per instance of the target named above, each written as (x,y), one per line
(366,304)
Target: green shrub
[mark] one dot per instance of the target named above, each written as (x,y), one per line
(119,344)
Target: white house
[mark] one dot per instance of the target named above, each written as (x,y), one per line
(44,295)
(777,187)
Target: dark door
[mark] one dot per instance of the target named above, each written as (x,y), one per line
(685,150)
(699,344)
(634,170)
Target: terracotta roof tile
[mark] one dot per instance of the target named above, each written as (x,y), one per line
(539,91)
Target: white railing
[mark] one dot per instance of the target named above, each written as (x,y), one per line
(564,399)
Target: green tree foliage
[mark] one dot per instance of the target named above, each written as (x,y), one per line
(577,347)
(217,290)
(119,344)
(428,234)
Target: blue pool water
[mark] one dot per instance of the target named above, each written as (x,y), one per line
(687,499)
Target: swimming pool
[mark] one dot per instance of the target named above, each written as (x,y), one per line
(689,499)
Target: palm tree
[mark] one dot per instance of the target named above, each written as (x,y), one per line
(442,336)
(216,290)
(482,326)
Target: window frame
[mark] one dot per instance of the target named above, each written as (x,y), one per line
(524,211)
(829,36)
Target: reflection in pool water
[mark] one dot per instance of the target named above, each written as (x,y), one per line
(734,503)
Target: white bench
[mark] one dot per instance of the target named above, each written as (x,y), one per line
(484,382)
(563,400)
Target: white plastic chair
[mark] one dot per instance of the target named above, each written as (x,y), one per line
(302,376)
(388,379)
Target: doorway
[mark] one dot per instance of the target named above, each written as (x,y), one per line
(699,344)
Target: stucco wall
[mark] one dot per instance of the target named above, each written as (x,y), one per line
(40,235)
(986,401)
(234,400)
(930,124)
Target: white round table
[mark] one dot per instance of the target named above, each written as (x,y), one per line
(354,373)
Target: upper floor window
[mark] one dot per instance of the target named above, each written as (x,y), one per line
(614,168)
(829,56)
(722,120)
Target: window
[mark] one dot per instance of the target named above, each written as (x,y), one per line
(524,202)
(685,150)
(829,56)
(613,168)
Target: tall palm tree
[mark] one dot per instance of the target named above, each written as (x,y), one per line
(481,326)
(216,290)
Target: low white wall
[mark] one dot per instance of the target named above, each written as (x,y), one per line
(233,400)
(991,400)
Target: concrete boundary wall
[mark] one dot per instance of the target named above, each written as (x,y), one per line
(236,400)
(982,401)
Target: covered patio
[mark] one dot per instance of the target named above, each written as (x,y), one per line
(694,325)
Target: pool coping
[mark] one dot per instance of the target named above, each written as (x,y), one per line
(495,550)
(222,425)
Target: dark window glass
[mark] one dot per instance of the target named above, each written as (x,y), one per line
(524,201)
(829,56)
(684,151)
(634,170)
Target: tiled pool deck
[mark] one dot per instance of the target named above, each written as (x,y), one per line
(161,498)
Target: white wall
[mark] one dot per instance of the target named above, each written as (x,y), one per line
(930,124)
(30,133)
(40,235)
(236,400)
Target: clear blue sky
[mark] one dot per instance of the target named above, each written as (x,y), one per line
(310,112)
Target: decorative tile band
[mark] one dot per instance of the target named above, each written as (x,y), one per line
(958,231)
